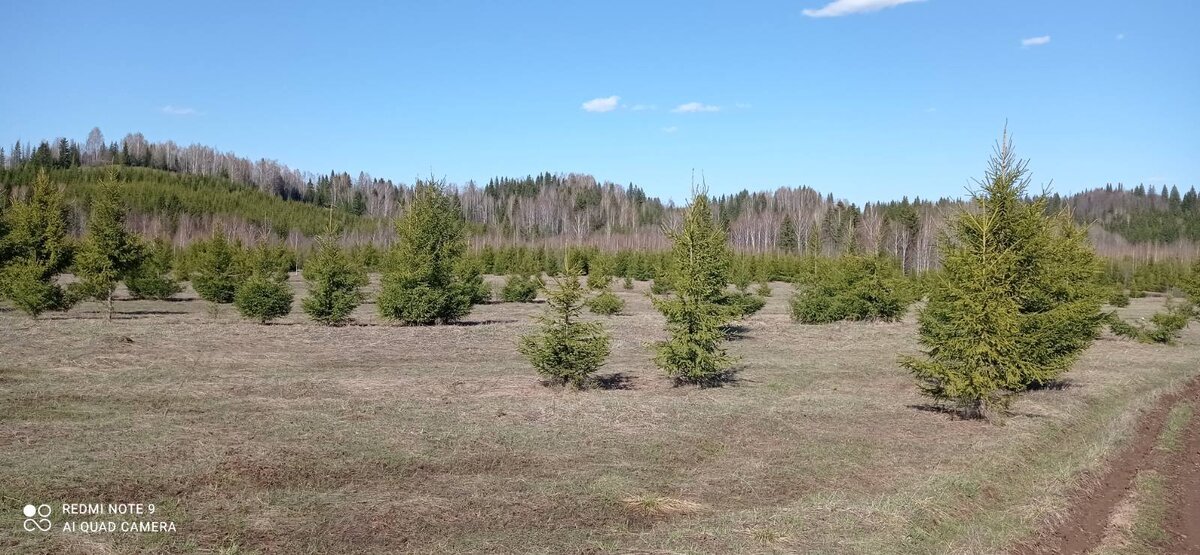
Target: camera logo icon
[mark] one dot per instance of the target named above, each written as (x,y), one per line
(36,518)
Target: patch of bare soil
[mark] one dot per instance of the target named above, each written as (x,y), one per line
(1083,526)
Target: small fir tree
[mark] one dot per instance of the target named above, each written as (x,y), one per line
(152,278)
(606,303)
(419,285)
(788,239)
(627,283)
(217,270)
(37,249)
(520,289)
(109,254)
(333,284)
(566,350)
(265,294)
(470,280)
(695,315)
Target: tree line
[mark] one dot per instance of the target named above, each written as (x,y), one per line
(560,210)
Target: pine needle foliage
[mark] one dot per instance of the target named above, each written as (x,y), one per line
(566,349)
(1016,303)
(520,289)
(699,272)
(217,270)
(606,303)
(852,288)
(1163,327)
(333,283)
(265,294)
(108,254)
(37,249)
(419,286)
(152,278)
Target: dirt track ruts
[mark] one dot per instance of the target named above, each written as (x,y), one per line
(1083,527)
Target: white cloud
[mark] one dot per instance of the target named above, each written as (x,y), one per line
(839,8)
(694,107)
(1035,41)
(179,111)
(670,129)
(606,104)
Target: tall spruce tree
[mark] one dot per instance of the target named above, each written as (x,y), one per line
(108,254)
(1017,301)
(566,350)
(419,285)
(788,240)
(333,283)
(699,272)
(38,249)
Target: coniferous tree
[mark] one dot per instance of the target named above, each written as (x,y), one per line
(695,315)
(265,294)
(788,240)
(1017,299)
(38,249)
(108,254)
(333,284)
(469,274)
(217,272)
(566,350)
(419,286)
(152,278)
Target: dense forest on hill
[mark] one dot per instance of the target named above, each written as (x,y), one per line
(180,193)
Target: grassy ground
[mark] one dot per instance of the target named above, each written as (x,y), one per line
(375,438)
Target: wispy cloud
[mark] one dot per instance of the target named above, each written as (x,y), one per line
(838,8)
(178,111)
(606,104)
(1035,41)
(670,129)
(695,107)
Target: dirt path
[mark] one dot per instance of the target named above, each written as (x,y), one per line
(1085,523)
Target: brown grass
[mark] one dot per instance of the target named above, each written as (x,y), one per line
(377,438)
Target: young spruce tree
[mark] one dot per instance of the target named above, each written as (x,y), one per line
(108,254)
(265,294)
(333,284)
(216,271)
(566,350)
(699,272)
(1018,297)
(152,278)
(419,285)
(37,250)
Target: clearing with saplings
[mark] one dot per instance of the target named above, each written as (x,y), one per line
(976,332)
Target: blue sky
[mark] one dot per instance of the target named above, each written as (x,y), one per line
(869,99)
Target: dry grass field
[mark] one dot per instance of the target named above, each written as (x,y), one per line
(294,438)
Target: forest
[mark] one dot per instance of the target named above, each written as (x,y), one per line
(181,193)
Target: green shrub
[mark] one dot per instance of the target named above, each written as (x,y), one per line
(520,289)
(852,288)
(764,289)
(1137,294)
(743,304)
(1118,298)
(1163,327)
(627,283)
(263,299)
(597,281)
(26,285)
(606,303)
(566,350)
(470,281)
(420,304)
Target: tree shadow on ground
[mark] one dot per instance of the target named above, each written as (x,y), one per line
(470,323)
(613,381)
(736,332)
